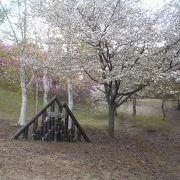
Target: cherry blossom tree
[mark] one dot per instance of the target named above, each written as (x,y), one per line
(122,49)
(17,32)
(123,52)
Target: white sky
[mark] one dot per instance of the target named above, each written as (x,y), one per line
(154,5)
(150,5)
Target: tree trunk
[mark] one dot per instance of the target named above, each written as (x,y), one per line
(70,100)
(22,117)
(162,107)
(178,103)
(111,109)
(37,95)
(134,106)
(46,87)
(115,112)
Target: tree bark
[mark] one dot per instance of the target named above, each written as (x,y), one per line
(162,107)
(46,87)
(111,109)
(37,95)
(70,100)
(134,107)
(115,112)
(22,117)
(178,103)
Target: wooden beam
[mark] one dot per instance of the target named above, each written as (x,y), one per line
(18,133)
(43,110)
(76,123)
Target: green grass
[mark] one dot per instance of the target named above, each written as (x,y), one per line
(154,123)
(87,116)
(10,104)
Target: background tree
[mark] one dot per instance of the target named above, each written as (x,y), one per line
(119,46)
(18,33)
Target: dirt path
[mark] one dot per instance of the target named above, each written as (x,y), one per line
(166,143)
(152,107)
(133,154)
(173,117)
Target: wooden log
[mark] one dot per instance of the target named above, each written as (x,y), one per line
(76,123)
(53,133)
(56,124)
(47,136)
(53,107)
(53,122)
(50,134)
(43,117)
(61,125)
(66,123)
(70,138)
(64,129)
(58,128)
(49,123)
(60,135)
(44,138)
(34,136)
(59,120)
(63,137)
(20,131)
(45,127)
(78,135)
(38,134)
(72,130)
(56,136)
(35,125)
(25,134)
(42,130)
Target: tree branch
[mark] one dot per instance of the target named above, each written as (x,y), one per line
(10,23)
(91,77)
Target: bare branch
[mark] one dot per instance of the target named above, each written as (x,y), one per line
(91,77)
(10,23)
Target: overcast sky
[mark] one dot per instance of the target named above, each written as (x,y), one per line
(154,4)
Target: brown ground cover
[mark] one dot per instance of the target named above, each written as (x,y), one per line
(133,154)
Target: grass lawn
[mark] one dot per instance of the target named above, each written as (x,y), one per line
(10,103)
(154,123)
(132,155)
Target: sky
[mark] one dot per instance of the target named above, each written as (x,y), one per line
(154,5)
(150,5)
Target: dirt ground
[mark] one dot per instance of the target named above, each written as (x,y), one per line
(137,155)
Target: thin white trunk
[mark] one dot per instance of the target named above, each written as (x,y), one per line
(20,40)
(22,117)
(37,95)
(70,100)
(46,87)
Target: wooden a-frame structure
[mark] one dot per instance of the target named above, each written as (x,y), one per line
(51,124)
